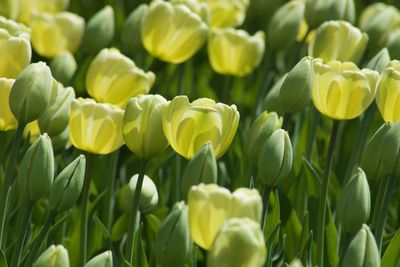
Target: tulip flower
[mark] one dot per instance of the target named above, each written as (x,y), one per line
(7,119)
(148,195)
(235,52)
(341,90)
(54,256)
(387,95)
(95,127)
(391,150)
(131,40)
(114,78)
(227,13)
(32,131)
(338,40)
(172,31)
(188,126)
(104,259)
(50,6)
(56,33)
(15,49)
(9,9)
(240,242)
(63,67)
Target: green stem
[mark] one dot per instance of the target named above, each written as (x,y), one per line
(323,201)
(110,179)
(5,190)
(227,89)
(311,134)
(178,175)
(265,197)
(379,200)
(181,85)
(133,214)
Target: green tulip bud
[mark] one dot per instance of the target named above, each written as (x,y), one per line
(272,102)
(102,260)
(131,38)
(63,67)
(394,44)
(380,61)
(67,186)
(148,196)
(275,162)
(391,150)
(36,173)
(285,24)
(54,256)
(202,168)
(31,93)
(355,194)
(295,93)
(62,140)
(240,242)
(261,130)
(362,251)
(372,156)
(99,31)
(173,245)
(296,263)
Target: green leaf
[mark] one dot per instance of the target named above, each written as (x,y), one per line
(331,239)
(273,216)
(3,260)
(139,253)
(120,227)
(391,258)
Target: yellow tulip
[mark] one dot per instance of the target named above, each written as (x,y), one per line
(95,127)
(50,6)
(210,206)
(235,52)
(227,13)
(172,31)
(55,33)
(387,95)
(32,131)
(188,126)
(341,90)
(338,40)
(9,9)
(15,49)
(7,119)
(114,78)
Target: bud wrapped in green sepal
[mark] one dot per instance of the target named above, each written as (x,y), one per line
(275,162)
(272,102)
(355,194)
(36,172)
(61,141)
(261,130)
(148,196)
(394,44)
(362,251)
(54,256)
(173,245)
(99,31)
(102,260)
(372,156)
(380,61)
(285,24)
(240,242)
(295,93)
(63,67)
(131,38)
(202,168)
(391,150)
(67,186)
(31,93)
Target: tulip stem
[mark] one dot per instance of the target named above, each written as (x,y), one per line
(5,190)
(181,78)
(266,194)
(227,89)
(323,201)
(133,213)
(311,134)
(379,199)
(110,179)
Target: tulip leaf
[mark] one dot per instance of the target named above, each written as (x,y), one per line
(3,260)
(292,229)
(391,258)
(120,227)
(273,216)
(331,239)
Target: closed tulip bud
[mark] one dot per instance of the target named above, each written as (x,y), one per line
(286,24)
(36,172)
(372,156)
(338,40)
(379,21)
(319,11)
(173,245)
(227,13)
(341,90)
(240,242)
(56,33)
(94,127)
(61,141)
(261,130)
(246,203)
(102,260)
(99,30)
(7,119)
(50,6)
(186,32)
(272,101)
(67,186)
(54,256)
(388,92)
(391,150)
(131,39)
(31,93)
(235,52)
(200,122)
(114,78)
(148,196)
(15,49)
(202,168)
(296,263)
(362,251)
(355,194)
(143,124)
(394,44)
(296,90)
(276,158)
(380,61)
(63,67)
